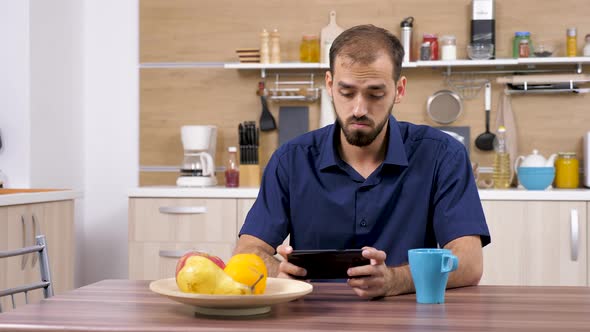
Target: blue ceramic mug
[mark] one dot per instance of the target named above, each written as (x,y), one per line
(430,271)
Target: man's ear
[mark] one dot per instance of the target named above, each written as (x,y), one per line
(329,83)
(401,89)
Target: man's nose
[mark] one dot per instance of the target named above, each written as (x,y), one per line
(360,106)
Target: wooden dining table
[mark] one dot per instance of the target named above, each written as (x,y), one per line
(125,305)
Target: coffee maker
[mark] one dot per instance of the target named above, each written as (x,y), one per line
(198,165)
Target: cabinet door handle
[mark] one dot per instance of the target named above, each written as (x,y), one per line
(35,233)
(24,258)
(574,234)
(183,209)
(172,253)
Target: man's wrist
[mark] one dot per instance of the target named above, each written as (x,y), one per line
(400,281)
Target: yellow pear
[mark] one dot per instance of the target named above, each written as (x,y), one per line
(200,275)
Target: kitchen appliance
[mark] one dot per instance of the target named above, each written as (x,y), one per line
(198,166)
(587,159)
(483,23)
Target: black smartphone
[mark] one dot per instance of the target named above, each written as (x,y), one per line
(327,264)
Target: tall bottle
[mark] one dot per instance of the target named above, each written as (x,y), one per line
(502,170)
(232,172)
(275,46)
(571,42)
(406,27)
(264,47)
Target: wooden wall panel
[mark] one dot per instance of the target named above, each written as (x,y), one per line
(207,30)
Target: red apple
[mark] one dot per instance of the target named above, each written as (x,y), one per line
(184,257)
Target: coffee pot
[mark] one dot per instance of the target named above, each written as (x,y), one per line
(535,160)
(198,166)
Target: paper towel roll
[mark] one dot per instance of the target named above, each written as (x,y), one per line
(327,114)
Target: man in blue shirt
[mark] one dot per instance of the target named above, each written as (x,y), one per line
(369,181)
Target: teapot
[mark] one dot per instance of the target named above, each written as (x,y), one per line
(534,160)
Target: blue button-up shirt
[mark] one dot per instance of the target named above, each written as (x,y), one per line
(422,195)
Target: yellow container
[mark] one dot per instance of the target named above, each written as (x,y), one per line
(571,42)
(310,49)
(567,170)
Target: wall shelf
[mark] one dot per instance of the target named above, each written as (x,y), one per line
(448,64)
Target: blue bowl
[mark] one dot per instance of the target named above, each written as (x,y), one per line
(536,178)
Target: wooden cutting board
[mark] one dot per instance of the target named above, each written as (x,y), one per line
(327,36)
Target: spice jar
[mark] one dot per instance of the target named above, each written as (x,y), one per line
(425,51)
(518,36)
(523,48)
(448,47)
(567,170)
(433,40)
(309,51)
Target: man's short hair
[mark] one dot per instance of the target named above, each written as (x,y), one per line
(363,43)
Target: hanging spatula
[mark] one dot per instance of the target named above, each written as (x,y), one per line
(267,121)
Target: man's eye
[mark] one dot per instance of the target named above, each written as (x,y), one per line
(346,94)
(379,96)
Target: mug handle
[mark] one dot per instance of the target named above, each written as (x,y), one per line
(516,163)
(449,263)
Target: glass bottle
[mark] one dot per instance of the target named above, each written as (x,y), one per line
(523,48)
(232,172)
(310,49)
(567,170)
(502,171)
(571,42)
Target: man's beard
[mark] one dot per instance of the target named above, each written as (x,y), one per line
(357,137)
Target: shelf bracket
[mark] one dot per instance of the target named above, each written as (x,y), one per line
(579,68)
(263,73)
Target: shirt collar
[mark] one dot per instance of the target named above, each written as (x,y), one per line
(395,155)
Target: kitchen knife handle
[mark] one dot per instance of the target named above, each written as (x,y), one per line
(183,209)
(574,234)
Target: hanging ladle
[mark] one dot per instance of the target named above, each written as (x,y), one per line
(485,141)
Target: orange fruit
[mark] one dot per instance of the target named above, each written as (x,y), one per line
(248,269)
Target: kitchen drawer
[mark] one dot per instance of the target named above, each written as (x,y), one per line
(152,260)
(182,220)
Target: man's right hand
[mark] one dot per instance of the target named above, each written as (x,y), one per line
(286,269)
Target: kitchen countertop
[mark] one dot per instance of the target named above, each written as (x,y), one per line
(27,196)
(484,194)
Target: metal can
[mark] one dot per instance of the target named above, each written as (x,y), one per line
(425,51)
(567,170)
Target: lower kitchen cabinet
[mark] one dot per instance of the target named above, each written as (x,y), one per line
(162,229)
(18,226)
(536,243)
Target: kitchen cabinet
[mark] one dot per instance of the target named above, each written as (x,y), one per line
(18,225)
(536,243)
(162,229)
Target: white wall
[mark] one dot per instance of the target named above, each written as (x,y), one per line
(14,92)
(69,115)
(111,103)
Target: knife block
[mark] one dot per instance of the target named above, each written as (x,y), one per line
(249,175)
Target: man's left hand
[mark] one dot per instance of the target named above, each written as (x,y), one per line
(372,280)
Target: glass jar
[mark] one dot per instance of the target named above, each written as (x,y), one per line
(309,50)
(433,40)
(448,47)
(567,170)
(518,36)
(425,51)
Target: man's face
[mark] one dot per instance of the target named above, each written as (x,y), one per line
(363,97)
